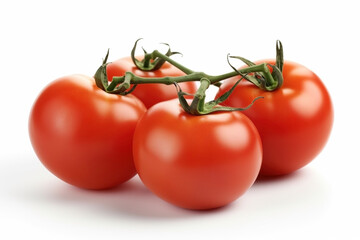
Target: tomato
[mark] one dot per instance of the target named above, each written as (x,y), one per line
(196,162)
(294,121)
(150,93)
(84,135)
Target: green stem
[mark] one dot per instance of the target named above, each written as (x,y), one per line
(198,103)
(184,69)
(196,76)
(147,60)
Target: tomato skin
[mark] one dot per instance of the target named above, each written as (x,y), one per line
(294,121)
(84,135)
(150,94)
(196,162)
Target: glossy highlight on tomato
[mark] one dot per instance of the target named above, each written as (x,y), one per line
(294,121)
(151,93)
(84,135)
(196,162)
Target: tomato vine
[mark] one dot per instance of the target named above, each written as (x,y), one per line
(258,74)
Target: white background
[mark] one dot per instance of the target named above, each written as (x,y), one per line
(44,40)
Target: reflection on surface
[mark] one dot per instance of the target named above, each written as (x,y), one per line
(227,133)
(309,101)
(164,144)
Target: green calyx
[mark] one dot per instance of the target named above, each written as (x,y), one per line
(119,86)
(151,61)
(100,76)
(262,77)
(198,105)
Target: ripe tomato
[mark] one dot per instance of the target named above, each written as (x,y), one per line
(150,94)
(294,121)
(196,162)
(84,135)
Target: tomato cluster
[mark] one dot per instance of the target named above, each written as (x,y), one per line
(96,140)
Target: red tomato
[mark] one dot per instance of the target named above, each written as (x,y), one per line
(196,162)
(84,135)
(294,121)
(150,94)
